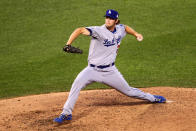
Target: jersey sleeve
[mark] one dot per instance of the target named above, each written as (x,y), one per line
(123,31)
(93,31)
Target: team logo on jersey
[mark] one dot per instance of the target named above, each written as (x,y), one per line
(108,43)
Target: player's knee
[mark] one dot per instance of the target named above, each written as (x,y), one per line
(80,84)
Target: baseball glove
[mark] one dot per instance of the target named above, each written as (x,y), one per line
(71,49)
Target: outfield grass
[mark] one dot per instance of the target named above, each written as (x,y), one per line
(33,32)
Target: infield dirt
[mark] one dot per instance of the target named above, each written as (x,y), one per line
(103,110)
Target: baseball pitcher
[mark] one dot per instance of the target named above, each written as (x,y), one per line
(104,44)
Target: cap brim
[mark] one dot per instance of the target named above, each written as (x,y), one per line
(110,16)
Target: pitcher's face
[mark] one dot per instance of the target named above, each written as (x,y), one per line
(109,22)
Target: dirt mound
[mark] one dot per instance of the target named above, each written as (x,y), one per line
(103,110)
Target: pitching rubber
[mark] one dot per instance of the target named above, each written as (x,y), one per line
(169,101)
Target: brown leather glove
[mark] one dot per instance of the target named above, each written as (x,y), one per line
(72,49)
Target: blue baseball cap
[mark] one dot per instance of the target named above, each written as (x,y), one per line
(112,14)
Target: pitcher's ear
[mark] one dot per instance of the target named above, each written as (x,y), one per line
(117,21)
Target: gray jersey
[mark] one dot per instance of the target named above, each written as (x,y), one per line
(104,44)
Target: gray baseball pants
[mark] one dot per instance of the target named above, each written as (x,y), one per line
(109,76)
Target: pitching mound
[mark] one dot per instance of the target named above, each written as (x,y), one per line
(103,110)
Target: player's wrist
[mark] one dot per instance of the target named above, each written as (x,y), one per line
(68,44)
(136,34)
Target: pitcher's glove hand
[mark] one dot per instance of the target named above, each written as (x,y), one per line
(71,49)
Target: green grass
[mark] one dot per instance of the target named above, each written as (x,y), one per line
(33,32)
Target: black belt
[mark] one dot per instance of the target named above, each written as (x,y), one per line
(102,66)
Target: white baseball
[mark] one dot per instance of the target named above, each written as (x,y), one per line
(139,38)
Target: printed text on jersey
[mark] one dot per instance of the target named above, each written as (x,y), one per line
(108,43)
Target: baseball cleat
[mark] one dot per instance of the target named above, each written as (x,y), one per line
(159,99)
(62,118)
